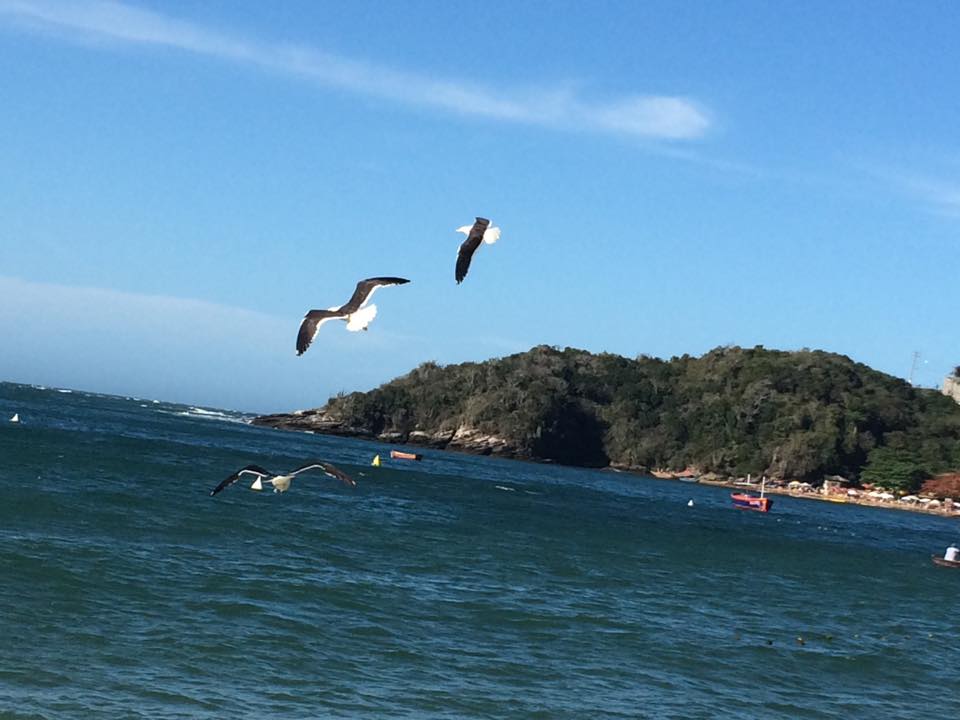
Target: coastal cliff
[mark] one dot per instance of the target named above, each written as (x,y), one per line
(732,411)
(330,422)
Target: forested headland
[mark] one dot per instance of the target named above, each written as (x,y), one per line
(733,411)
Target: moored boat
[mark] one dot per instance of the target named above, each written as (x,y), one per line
(760,503)
(400,455)
(751,502)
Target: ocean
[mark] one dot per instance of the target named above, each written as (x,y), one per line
(455,587)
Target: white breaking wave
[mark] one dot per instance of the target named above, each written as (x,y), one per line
(200,413)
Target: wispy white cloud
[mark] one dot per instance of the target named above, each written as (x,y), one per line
(938,194)
(640,116)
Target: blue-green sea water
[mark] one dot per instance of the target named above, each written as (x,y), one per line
(457,587)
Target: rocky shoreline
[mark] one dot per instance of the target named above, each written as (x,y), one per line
(472,441)
(462,439)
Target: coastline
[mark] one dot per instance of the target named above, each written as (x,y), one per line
(303,422)
(838,499)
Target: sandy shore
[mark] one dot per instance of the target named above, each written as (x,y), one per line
(841,499)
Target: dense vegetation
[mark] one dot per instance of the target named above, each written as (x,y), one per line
(732,411)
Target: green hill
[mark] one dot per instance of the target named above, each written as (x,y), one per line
(732,411)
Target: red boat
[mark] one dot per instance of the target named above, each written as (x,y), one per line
(753,502)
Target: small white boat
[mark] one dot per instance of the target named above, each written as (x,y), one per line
(15,418)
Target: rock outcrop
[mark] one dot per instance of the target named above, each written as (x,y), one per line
(463,438)
(732,411)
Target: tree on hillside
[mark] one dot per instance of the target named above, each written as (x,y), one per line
(733,411)
(897,469)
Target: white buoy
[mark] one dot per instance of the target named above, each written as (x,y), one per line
(690,503)
(15,418)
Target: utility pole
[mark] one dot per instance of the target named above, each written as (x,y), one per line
(913,366)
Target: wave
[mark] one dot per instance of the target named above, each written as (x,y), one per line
(205,414)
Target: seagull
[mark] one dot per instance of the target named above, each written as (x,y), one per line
(480,230)
(355,311)
(281,483)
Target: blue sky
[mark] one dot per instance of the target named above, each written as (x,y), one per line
(181,181)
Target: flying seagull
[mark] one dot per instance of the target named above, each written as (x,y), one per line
(281,483)
(356,312)
(480,230)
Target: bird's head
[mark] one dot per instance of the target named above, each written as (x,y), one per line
(465,229)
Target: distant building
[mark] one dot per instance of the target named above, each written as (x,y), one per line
(951,387)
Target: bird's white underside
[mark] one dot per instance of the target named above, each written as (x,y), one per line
(361,318)
(490,235)
(281,483)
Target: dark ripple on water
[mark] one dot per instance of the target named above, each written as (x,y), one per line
(429,591)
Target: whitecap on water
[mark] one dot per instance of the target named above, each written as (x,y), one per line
(204,414)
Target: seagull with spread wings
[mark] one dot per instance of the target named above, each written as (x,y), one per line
(281,482)
(479,232)
(355,311)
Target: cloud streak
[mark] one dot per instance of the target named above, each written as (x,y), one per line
(649,117)
(939,195)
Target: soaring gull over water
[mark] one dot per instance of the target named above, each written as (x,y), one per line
(355,311)
(281,482)
(479,232)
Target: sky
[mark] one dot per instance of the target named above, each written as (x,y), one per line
(181,181)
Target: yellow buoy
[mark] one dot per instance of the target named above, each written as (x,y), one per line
(376,461)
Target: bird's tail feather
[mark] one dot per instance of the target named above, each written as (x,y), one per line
(361,318)
(491,235)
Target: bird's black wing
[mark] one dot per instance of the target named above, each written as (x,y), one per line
(328,469)
(311,323)
(363,290)
(338,474)
(469,246)
(227,482)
